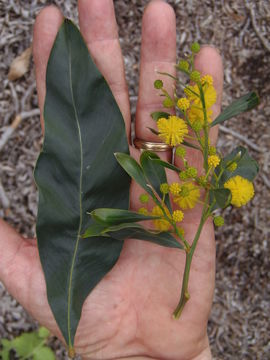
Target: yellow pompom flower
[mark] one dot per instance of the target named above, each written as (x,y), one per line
(188,197)
(172,130)
(178,215)
(213,160)
(193,94)
(196,113)
(183,104)
(161,224)
(143,211)
(232,167)
(208,79)
(175,188)
(242,190)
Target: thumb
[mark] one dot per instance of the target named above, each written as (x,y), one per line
(15,264)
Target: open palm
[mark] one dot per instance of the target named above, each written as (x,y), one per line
(129,313)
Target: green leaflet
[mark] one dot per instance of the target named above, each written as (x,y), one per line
(247,167)
(222,198)
(155,173)
(159,114)
(76,173)
(134,170)
(136,231)
(110,217)
(244,103)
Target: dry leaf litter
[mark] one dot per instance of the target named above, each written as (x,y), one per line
(239,323)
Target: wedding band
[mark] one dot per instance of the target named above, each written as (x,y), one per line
(150,145)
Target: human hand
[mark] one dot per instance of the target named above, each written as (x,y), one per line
(129,314)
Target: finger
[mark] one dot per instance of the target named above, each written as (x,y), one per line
(46,27)
(208,61)
(99,29)
(158,53)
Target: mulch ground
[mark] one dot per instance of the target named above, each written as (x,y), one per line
(239,324)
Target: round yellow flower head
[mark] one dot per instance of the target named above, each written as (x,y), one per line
(144,198)
(178,215)
(183,65)
(195,76)
(175,188)
(183,104)
(193,94)
(232,167)
(180,152)
(242,190)
(208,79)
(172,130)
(212,150)
(143,211)
(168,103)
(213,160)
(161,224)
(164,188)
(188,198)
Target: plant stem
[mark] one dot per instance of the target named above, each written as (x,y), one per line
(185,296)
(205,128)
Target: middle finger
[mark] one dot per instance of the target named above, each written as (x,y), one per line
(158,53)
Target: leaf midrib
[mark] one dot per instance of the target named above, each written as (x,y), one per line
(80,196)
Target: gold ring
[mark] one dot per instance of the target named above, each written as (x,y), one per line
(150,145)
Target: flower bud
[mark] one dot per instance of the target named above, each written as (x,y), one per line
(218,220)
(158,84)
(195,47)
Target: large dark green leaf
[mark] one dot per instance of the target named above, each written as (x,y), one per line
(136,231)
(118,216)
(244,103)
(76,173)
(155,173)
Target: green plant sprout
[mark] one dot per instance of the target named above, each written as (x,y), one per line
(31,345)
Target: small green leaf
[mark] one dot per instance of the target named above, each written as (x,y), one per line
(222,198)
(188,144)
(117,216)
(43,333)
(140,233)
(167,165)
(155,173)
(134,170)
(93,230)
(244,103)
(159,114)
(155,132)
(247,167)
(43,353)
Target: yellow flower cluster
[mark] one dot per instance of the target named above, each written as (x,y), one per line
(175,188)
(210,97)
(183,104)
(178,215)
(242,190)
(188,196)
(161,224)
(213,160)
(172,130)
